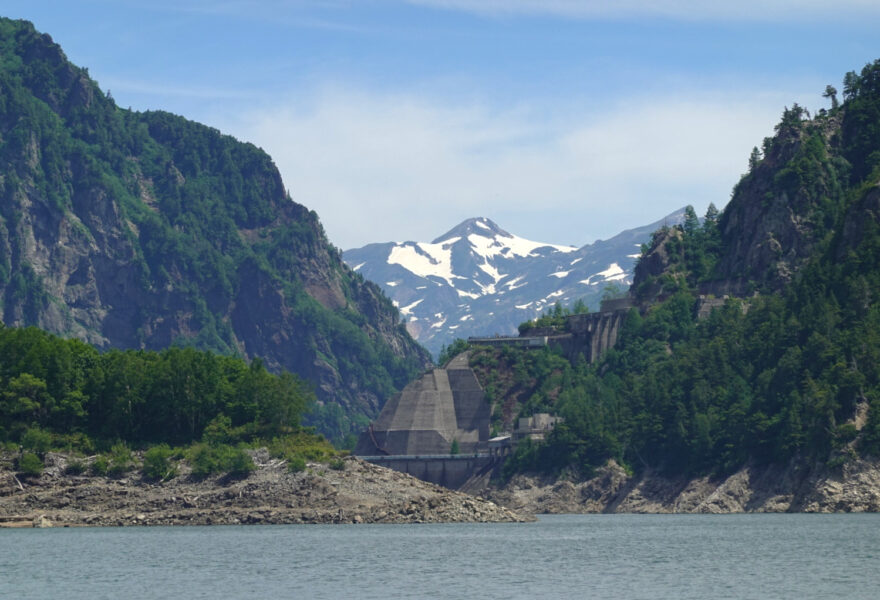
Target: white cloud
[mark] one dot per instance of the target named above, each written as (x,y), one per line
(745,10)
(380,167)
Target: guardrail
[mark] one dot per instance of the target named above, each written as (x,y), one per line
(389,457)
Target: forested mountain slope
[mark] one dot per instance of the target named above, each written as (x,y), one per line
(145,230)
(790,369)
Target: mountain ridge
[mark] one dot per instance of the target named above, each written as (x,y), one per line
(477,279)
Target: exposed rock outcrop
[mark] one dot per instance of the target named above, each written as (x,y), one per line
(776,217)
(357,493)
(854,487)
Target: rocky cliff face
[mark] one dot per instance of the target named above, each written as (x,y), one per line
(785,204)
(143,230)
(781,210)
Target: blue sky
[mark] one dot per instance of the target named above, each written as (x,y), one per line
(564,121)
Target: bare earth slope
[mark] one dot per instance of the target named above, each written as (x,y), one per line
(357,493)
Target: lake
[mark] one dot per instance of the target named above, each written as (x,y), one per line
(560,556)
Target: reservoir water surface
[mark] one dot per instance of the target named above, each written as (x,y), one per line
(561,556)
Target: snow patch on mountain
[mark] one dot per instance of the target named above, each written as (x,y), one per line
(510,246)
(407,310)
(477,279)
(422,259)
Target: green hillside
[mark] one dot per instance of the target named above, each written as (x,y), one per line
(145,230)
(788,367)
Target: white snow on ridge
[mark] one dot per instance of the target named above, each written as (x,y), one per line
(358,267)
(612,272)
(489,247)
(523,306)
(559,274)
(391,283)
(491,271)
(576,261)
(407,310)
(479,223)
(634,255)
(434,259)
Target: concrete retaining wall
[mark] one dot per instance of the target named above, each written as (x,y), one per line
(451,471)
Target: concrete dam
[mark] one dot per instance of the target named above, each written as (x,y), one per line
(590,334)
(417,429)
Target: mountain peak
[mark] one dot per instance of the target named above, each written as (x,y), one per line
(478,279)
(477,226)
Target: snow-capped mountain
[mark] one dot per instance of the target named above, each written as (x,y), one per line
(478,280)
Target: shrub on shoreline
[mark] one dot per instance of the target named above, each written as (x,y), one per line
(157,463)
(208,460)
(30,464)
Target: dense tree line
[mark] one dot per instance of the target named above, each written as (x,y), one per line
(83,397)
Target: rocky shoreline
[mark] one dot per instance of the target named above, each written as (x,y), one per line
(795,487)
(358,492)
